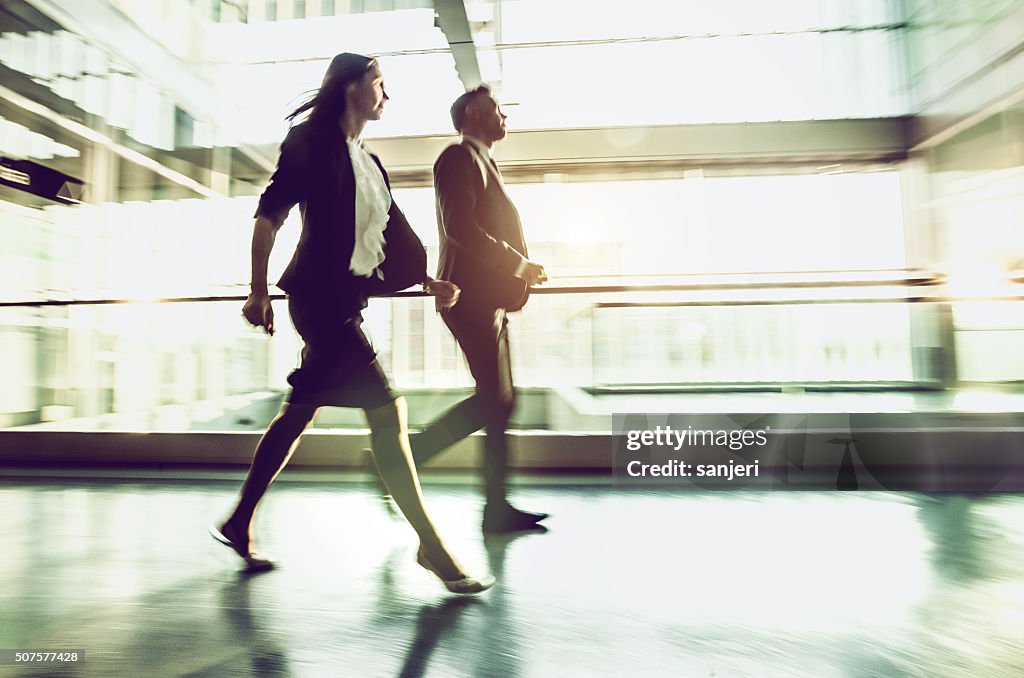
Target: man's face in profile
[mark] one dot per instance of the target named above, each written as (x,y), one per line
(490,119)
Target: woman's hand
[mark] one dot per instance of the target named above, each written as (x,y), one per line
(446,293)
(258,311)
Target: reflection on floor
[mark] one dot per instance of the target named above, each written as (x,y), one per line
(626,583)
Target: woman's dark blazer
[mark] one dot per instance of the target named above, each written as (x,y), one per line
(314,170)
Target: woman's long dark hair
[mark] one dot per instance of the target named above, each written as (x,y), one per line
(327,104)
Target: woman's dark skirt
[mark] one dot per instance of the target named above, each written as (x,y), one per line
(339,366)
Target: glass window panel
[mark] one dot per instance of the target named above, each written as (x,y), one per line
(136,367)
(551,20)
(122,99)
(269,67)
(96,95)
(703,225)
(698,225)
(268,92)
(839,343)
(196,366)
(71,50)
(320,38)
(729,79)
(988,339)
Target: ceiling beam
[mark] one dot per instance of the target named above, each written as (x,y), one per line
(823,142)
(452,20)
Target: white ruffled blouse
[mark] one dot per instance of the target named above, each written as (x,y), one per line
(373,200)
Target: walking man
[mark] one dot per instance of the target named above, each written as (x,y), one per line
(482,250)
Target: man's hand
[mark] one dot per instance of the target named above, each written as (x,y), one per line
(534,274)
(446,293)
(258,311)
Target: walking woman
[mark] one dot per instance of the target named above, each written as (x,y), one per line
(355,243)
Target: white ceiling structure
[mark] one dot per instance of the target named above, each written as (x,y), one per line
(584,83)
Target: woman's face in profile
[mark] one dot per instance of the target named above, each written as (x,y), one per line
(366,96)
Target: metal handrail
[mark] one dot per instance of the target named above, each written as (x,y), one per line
(695,283)
(626,284)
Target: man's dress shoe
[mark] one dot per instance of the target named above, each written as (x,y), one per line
(505,518)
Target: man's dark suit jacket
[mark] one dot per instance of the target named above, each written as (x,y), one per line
(481,238)
(314,171)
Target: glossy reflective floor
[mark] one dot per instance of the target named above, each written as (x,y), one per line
(626,583)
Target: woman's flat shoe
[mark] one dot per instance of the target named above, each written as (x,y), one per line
(466,585)
(254,562)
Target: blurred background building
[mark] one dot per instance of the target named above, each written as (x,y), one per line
(790,201)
